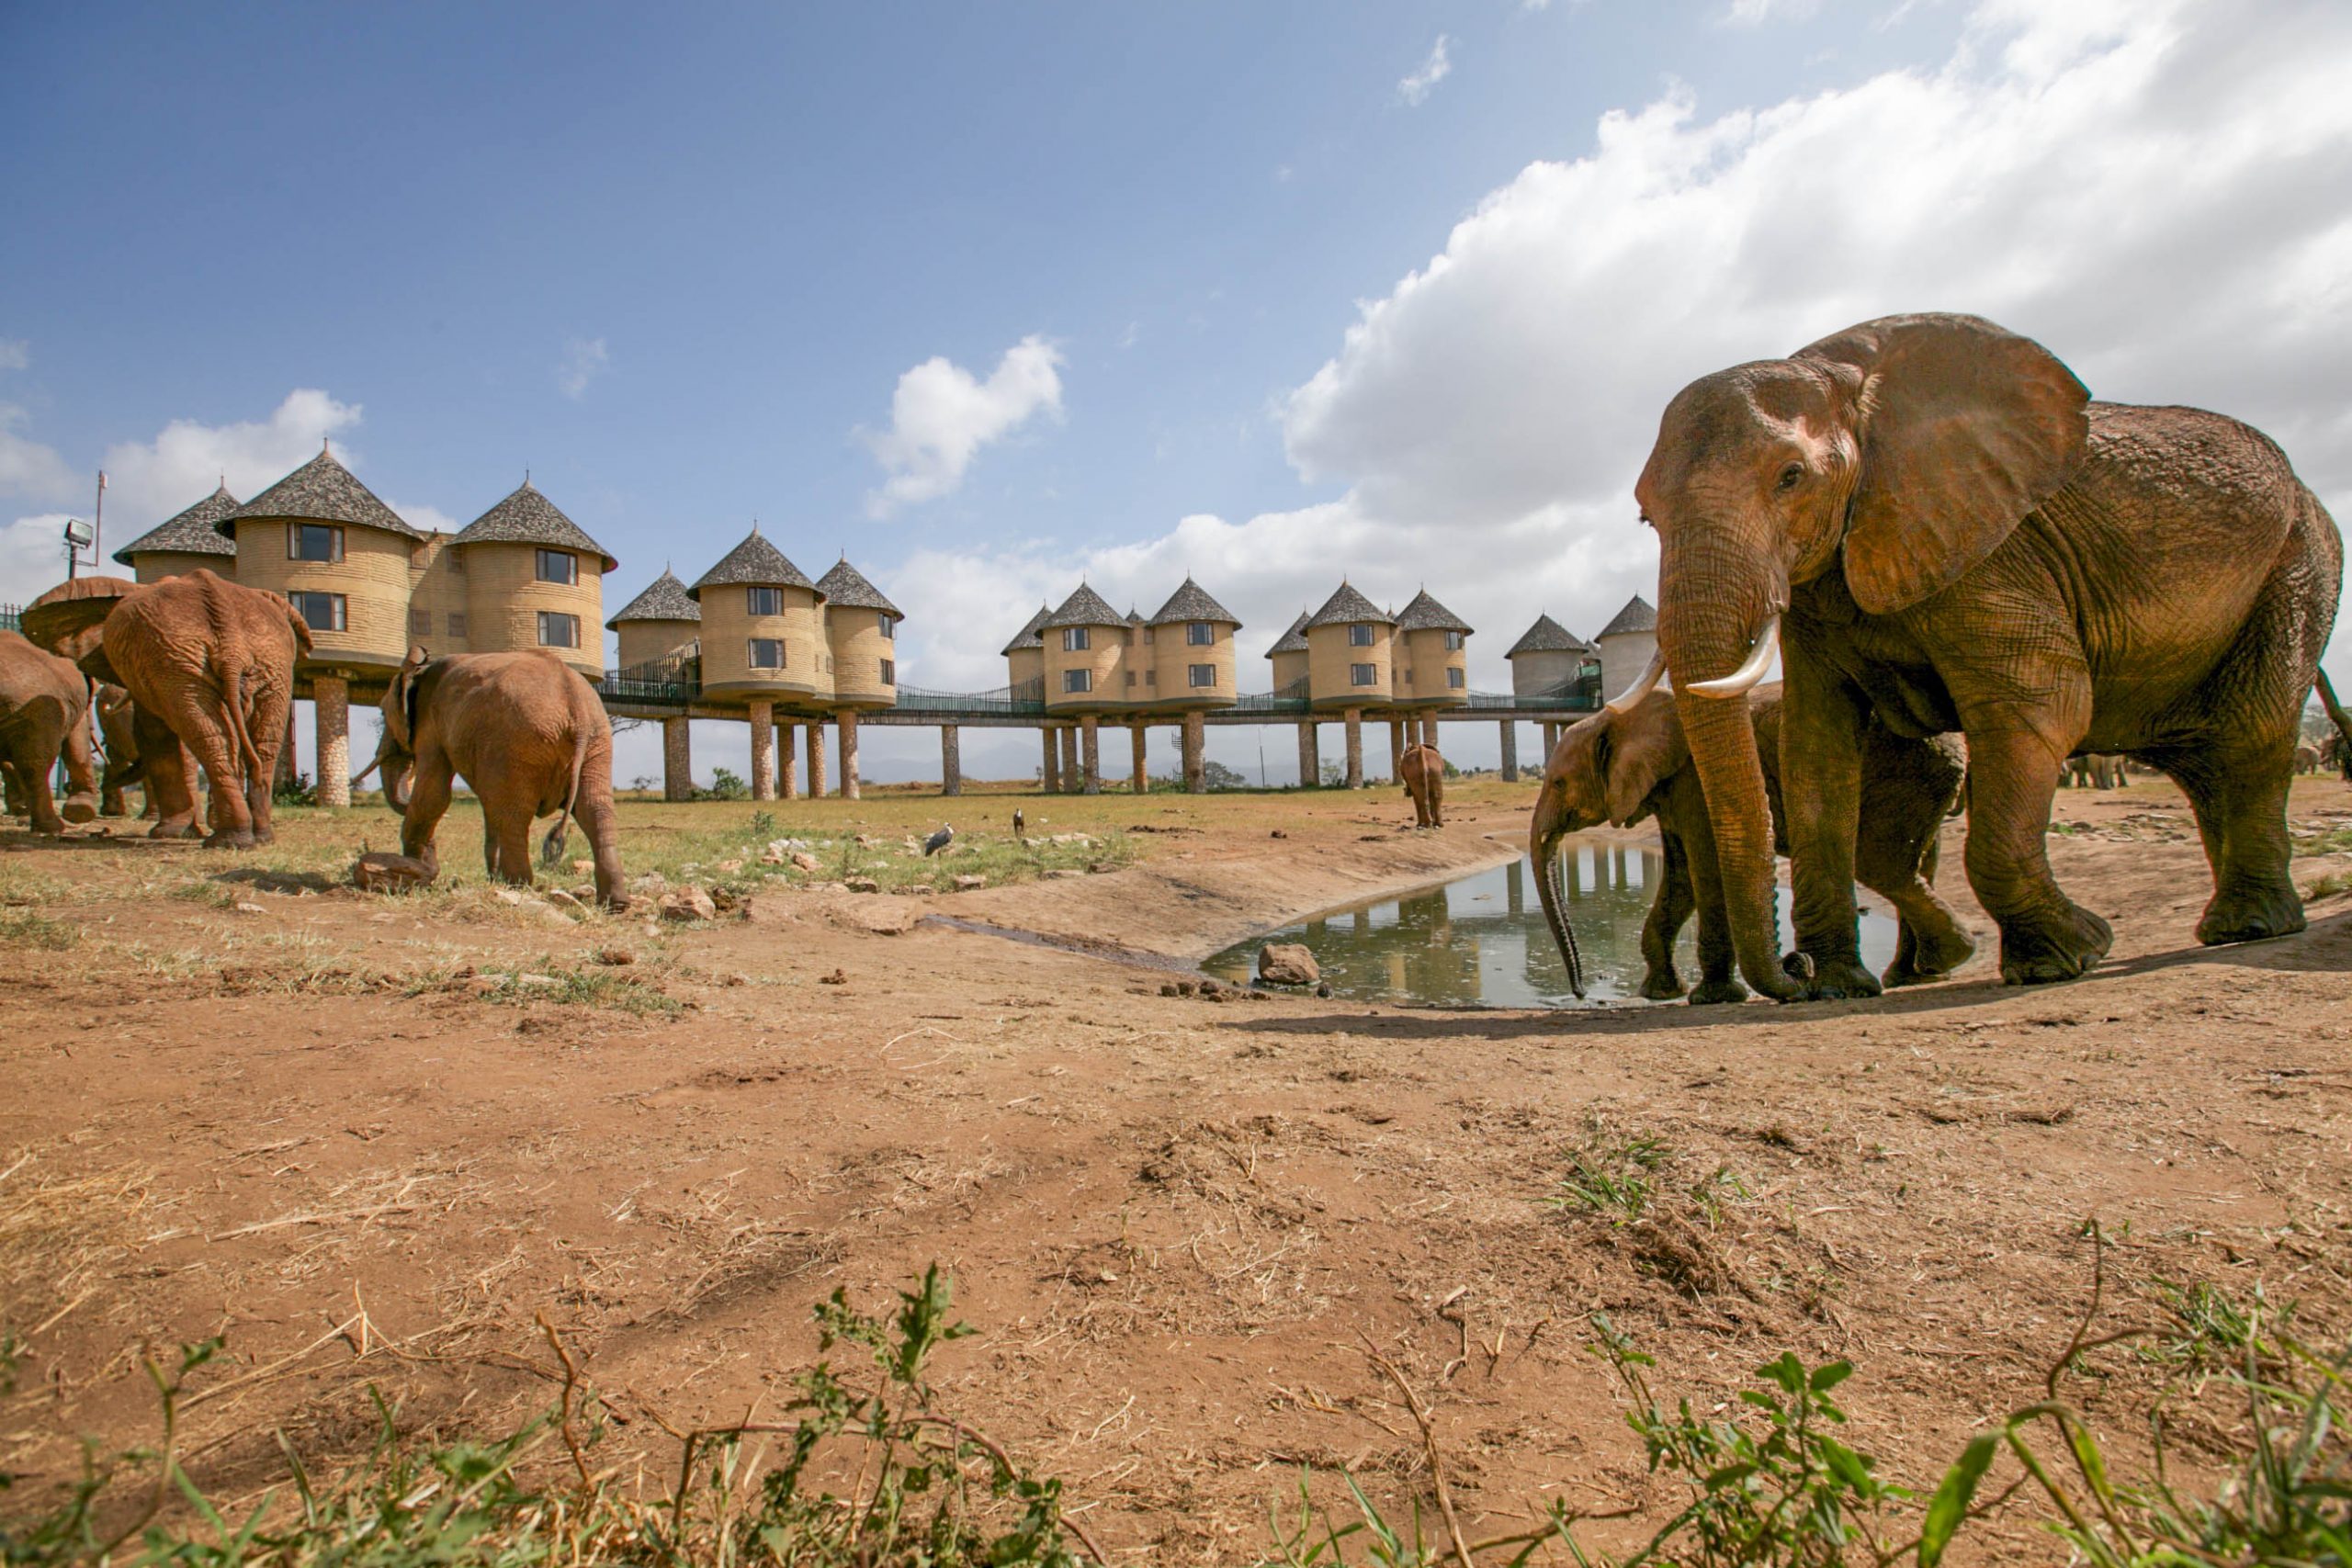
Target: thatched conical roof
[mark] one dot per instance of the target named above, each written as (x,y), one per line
(1426,614)
(847,585)
(1192,602)
(1293,640)
(754,562)
(1084,608)
(1031,634)
(1346,607)
(527,517)
(195,532)
(1548,635)
(321,491)
(665,599)
(1638,616)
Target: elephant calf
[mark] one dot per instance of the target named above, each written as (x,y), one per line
(45,715)
(529,736)
(1620,767)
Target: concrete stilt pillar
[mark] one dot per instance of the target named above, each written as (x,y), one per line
(788,763)
(285,752)
(815,759)
(1141,780)
(677,760)
(1510,770)
(762,749)
(1310,762)
(1090,732)
(1196,776)
(1049,778)
(951,760)
(847,718)
(1354,717)
(1428,729)
(1396,746)
(331,699)
(1070,780)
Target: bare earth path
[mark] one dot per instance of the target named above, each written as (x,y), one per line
(1177,1222)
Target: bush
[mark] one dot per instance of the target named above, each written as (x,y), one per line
(724,785)
(295,791)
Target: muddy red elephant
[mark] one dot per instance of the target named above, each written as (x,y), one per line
(1423,772)
(1946,535)
(45,716)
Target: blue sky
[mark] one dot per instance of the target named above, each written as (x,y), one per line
(1389,289)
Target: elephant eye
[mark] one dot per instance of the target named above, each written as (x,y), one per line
(1791,475)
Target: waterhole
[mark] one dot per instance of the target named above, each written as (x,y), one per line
(1481,942)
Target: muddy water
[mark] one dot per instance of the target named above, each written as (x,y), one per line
(1481,942)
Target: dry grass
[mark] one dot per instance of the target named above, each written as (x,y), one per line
(58,1233)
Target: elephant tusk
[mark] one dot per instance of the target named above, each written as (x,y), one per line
(363,772)
(1627,700)
(1742,680)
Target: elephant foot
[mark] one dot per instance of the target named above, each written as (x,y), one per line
(168,829)
(48,827)
(230,839)
(1840,979)
(1712,993)
(2250,914)
(81,808)
(1927,955)
(1661,985)
(2061,950)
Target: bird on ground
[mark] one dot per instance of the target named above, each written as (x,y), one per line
(1021,823)
(938,840)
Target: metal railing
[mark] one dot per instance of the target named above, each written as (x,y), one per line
(11,617)
(1025,700)
(673,682)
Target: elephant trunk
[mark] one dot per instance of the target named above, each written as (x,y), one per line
(396,782)
(1550,826)
(1708,628)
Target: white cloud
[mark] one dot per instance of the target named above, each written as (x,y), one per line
(584,359)
(428,519)
(32,557)
(942,415)
(1414,89)
(1755,13)
(16,353)
(29,470)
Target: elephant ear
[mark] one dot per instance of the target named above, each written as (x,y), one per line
(96,665)
(1964,429)
(399,702)
(1644,748)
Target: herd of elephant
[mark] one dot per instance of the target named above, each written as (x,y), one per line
(196,672)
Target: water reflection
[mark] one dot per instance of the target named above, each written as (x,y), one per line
(1481,941)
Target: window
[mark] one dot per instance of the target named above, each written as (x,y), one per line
(1408,674)
(1363,675)
(1074,641)
(457,622)
(1199,633)
(767,652)
(1078,680)
(1131,677)
(889,622)
(890,671)
(320,612)
(314,541)
(1201,675)
(559,566)
(1147,636)
(764,601)
(456,559)
(558,630)
(1151,678)
(420,622)
(1360,634)
(1453,680)
(1453,642)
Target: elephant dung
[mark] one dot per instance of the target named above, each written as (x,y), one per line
(377,872)
(1287,964)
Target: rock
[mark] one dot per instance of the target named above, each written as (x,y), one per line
(651,882)
(1324,989)
(584,868)
(616,957)
(837,977)
(730,867)
(1287,964)
(567,902)
(724,900)
(1060,873)
(802,861)
(1168,988)
(537,983)
(379,873)
(967,883)
(243,908)
(1100,868)
(1278,833)
(863,884)
(688,904)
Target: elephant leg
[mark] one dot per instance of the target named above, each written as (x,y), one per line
(266,723)
(196,719)
(12,785)
(2045,936)
(1821,781)
(1669,912)
(601,825)
(1907,787)
(169,773)
(506,842)
(81,773)
(428,800)
(1718,959)
(2240,798)
(32,769)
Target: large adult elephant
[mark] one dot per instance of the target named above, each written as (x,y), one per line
(45,715)
(1423,772)
(526,732)
(1944,531)
(209,664)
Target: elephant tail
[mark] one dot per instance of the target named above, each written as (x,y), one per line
(232,705)
(2337,717)
(552,849)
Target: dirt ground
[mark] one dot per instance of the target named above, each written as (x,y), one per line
(321,1123)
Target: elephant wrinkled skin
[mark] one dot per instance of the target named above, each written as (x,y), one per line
(528,735)
(1423,772)
(1620,767)
(1955,538)
(45,715)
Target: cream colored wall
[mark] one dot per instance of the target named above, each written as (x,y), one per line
(373,577)
(1329,654)
(1289,667)
(1622,657)
(1532,674)
(727,627)
(438,592)
(154,566)
(504,596)
(1106,655)
(1425,658)
(643,642)
(853,636)
(1172,656)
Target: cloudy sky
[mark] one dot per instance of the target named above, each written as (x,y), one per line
(996,297)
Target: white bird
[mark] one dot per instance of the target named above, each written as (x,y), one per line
(938,840)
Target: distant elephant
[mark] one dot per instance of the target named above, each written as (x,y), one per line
(528,736)
(1959,540)
(1423,772)
(45,716)
(1620,767)
(2091,769)
(2307,758)
(210,665)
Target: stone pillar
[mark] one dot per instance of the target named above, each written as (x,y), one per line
(1141,781)
(951,760)
(1511,775)
(1196,778)
(1354,717)
(1049,779)
(1090,732)
(815,759)
(762,749)
(1070,780)
(788,764)
(847,718)
(1310,760)
(677,760)
(285,753)
(1428,729)
(1397,746)
(331,699)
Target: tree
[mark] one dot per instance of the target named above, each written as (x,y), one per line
(1216,775)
